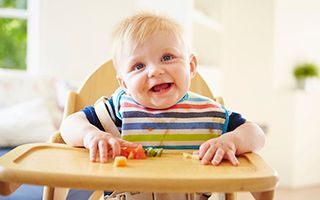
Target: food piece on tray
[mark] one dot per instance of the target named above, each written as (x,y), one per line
(133,153)
(153,152)
(191,156)
(140,153)
(120,161)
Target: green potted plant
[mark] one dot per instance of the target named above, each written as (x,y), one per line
(304,73)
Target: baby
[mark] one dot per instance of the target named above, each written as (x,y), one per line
(154,106)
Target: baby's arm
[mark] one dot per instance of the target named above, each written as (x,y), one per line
(248,137)
(76,130)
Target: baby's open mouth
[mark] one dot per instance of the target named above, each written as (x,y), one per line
(161,87)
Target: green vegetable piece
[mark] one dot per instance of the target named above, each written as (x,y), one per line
(146,150)
(159,152)
(151,152)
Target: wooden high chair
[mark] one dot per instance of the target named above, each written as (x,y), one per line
(58,166)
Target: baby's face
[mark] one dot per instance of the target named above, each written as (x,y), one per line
(157,74)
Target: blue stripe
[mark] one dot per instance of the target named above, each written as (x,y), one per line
(188,114)
(151,126)
(185,97)
(226,122)
(198,99)
(116,101)
(176,147)
(127,98)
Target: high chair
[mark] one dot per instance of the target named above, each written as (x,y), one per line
(58,166)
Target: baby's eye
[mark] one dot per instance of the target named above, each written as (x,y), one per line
(139,66)
(167,57)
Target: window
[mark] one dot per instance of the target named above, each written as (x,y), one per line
(13,34)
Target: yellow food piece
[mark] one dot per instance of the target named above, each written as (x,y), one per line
(187,155)
(191,156)
(195,157)
(120,161)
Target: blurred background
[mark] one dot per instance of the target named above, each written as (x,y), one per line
(262,56)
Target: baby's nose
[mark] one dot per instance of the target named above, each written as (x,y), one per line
(155,70)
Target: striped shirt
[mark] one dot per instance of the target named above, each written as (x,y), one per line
(185,125)
(193,120)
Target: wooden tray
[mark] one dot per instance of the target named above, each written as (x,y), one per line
(59,165)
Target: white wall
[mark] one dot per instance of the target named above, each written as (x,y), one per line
(247,55)
(75,35)
(262,41)
(297,38)
(307,136)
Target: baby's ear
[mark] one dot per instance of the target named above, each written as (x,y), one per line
(193,65)
(121,82)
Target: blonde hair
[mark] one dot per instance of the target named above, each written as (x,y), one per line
(135,30)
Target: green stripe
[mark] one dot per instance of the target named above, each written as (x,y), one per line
(170,137)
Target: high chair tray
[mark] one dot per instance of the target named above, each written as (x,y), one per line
(59,165)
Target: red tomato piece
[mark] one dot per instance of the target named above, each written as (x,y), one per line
(139,153)
(135,153)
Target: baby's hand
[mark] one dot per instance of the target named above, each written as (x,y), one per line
(217,149)
(104,144)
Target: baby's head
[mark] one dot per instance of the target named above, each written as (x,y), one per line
(135,30)
(152,60)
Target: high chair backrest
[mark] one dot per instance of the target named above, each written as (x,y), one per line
(102,82)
